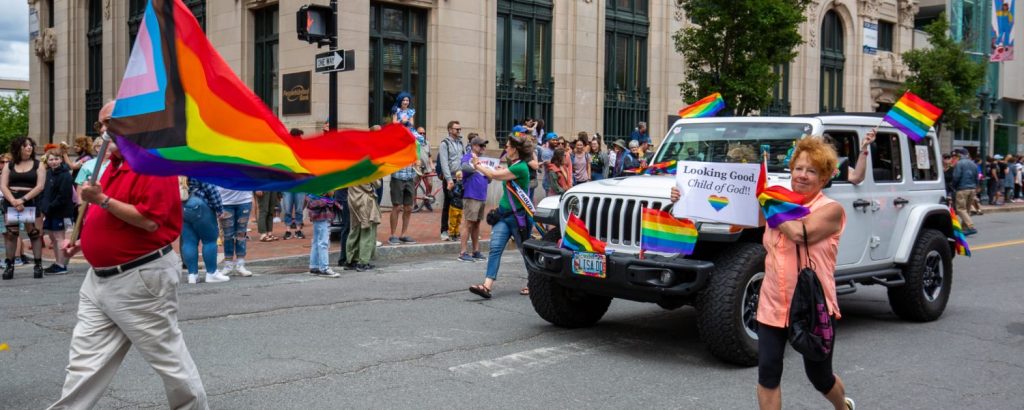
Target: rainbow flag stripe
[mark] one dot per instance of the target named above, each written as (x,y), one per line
(705,107)
(667,167)
(960,246)
(577,237)
(913,116)
(181,110)
(778,204)
(661,232)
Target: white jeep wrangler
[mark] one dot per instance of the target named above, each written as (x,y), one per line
(898,231)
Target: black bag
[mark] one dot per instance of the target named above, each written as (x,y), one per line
(810,325)
(493,217)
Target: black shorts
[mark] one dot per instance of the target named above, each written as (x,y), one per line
(53,224)
(771,343)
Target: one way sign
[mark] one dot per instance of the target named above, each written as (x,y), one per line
(339,60)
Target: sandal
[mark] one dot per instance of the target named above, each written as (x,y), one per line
(266,238)
(525,291)
(480,290)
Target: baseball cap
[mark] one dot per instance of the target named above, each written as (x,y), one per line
(550,136)
(478,140)
(998,156)
(520,128)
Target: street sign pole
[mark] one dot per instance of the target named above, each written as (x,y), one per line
(332,82)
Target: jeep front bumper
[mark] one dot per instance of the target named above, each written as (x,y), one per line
(653,279)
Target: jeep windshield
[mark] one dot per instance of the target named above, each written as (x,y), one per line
(732,142)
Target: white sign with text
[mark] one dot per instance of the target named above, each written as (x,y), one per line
(718,192)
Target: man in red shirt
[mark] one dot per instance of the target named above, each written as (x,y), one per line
(130,294)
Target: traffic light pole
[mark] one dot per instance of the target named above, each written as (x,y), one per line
(332,82)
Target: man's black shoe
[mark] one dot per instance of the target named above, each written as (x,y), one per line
(300,235)
(287,235)
(350,266)
(363,267)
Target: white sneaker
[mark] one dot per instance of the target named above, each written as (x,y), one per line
(379,244)
(227,268)
(217,277)
(242,271)
(329,273)
(444,236)
(193,278)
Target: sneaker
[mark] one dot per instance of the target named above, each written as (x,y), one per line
(850,405)
(445,237)
(240,270)
(350,266)
(217,277)
(970,231)
(24,259)
(56,269)
(287,235)
(379,244)
(479,256)
(363,267)
(300,235)
(193,278)
(465,257)
(406,239)
(19,261)
(326,273)
(277,219)
(314,271)
(393,240)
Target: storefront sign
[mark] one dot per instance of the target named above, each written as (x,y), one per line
(295,93)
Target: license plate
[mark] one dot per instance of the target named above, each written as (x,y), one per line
(589,264)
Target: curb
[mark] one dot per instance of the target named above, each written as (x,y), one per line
(384,252)
(1000,209)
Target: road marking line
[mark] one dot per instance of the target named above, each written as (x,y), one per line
(534,359)
(997,245)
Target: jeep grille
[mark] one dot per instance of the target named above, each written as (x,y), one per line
(614,220)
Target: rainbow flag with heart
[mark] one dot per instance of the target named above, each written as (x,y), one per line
(662,232)
(705,107)
(577,238)
(181,110)
(778,204)
(913,115)
(960,244)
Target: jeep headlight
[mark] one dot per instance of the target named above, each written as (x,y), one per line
(572,206)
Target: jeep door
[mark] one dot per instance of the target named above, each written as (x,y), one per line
(853,244)
(889,172)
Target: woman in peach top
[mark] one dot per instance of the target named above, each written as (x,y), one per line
(813,164)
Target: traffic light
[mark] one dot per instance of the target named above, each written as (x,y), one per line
(315,23)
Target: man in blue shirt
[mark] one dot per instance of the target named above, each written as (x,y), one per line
(965,181)
(641,136)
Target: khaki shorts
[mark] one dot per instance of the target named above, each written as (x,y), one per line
(473,210)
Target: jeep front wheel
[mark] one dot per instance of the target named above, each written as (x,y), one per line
(563,306)
(929,278)
(727,307)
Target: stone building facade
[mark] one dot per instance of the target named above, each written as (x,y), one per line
(582,65)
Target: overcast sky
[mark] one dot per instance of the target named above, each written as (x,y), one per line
(14,40)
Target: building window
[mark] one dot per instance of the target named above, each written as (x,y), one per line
(626,96)
(885,34)
(136,9)
(832,64)
(94,82)
(198,9)
(265,55)
(398,55)
(780,93)
(524,83)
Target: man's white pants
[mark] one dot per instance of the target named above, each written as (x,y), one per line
(137,307)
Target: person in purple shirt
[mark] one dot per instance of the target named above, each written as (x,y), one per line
(474,200)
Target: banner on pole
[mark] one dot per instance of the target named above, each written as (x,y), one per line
(1002,30)
(718,192)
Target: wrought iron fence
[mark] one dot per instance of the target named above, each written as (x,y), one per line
(622,111)
(517,100)
(777,108)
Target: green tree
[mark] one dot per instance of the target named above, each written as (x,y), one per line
(13,118)
(946,75)
(733,46)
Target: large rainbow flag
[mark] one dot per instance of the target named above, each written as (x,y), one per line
(182,111)
(662,232)
(960,244)
(913,115)
(778,204)
(705,107)
(577,237)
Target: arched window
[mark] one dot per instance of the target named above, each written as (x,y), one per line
(832,63)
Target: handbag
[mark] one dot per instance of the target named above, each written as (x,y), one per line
(810,325)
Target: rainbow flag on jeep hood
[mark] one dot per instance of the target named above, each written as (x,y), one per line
(182,111)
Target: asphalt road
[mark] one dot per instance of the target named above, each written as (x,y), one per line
(411,336)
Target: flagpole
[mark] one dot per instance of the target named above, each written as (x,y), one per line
(84,206)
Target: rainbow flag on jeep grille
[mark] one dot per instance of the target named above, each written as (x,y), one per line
(577,238)
(913,115)
(960,244)
(662,232)
(778,204)
(182,111)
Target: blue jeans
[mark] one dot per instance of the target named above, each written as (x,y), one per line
(505,229)
(292,202)
(596,176)
(198,224)
(234,225)
(318,252)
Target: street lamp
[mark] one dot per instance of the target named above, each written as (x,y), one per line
(985,106)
